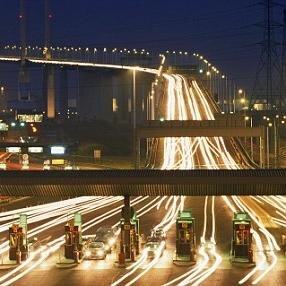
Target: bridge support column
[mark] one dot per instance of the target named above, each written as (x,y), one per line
(51,102)
(63,96)
(129,233)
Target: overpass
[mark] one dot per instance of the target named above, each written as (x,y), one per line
(200,128)
(144,182)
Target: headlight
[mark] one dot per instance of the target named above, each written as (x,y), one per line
(111,241)
(87,253)
(100,252)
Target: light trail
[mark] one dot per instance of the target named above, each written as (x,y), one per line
(167,221)
(58,242)
(262,266)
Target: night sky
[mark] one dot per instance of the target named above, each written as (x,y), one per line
(224,31)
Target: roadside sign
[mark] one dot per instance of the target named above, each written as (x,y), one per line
(13,149)
(127,226)
(58,161)
(35,149)
(97,153)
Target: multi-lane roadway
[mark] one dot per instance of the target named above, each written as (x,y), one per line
(185,100)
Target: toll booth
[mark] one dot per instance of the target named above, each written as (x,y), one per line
(73,246)
(129,235)
(18,240)
(185,237)
(241,250)
(18,246)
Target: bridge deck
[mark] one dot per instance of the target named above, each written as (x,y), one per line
(143,182)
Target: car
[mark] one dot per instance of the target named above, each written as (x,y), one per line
(107,236)
(25,167)
(152,248)
(46,167)
(68,167)
(95,250)
(160,233)
(3,166)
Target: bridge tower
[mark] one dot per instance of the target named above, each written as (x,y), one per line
(49,72)
(266,91)
(283,64)
(24,91)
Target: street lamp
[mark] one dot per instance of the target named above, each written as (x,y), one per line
(134,116)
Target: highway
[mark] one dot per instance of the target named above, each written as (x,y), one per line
(185,100)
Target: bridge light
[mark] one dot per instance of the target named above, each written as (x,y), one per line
(246,118)
(201,71)
(223,76)
(277,116)
(270,124)
(22,124)
(208,73)
(186,53)
(240,91)
(13,124)
(283,122)
(162,119)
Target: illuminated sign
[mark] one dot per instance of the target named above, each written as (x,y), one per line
(58,162)
(58,150)
(35,149)
(30,117)
(13,149)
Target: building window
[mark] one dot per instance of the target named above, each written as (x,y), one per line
(114,105)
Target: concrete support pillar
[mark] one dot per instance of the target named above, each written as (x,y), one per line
(51,99)
(63,95)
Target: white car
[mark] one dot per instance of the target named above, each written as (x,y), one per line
(3,166)
(95,250)
(46,167)
(68,167)
(25,167)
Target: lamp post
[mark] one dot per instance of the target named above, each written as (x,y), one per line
(209,79)
(267,146)
(249,118)
(276,141)
(134,117)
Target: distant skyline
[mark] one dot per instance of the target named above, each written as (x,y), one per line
(225,32)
